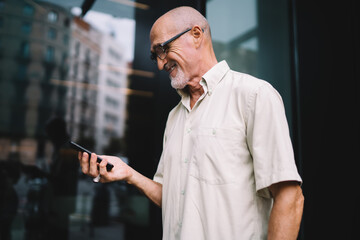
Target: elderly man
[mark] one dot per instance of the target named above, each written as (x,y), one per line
(227,170)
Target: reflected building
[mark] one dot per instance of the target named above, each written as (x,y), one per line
(96,102)
(34,43)
(238,57)
(111,113)
(83,81)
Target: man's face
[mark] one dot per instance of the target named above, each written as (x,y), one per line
(175,60)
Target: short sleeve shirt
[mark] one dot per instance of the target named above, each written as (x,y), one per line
(220,157)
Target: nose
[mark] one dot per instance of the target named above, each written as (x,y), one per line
(161,63)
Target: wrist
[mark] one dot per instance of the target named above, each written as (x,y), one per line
(130,179)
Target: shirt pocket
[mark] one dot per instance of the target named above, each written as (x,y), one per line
(219,155)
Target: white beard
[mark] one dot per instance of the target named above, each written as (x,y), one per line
(179,81)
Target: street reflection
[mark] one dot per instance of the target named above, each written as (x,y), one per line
(62,78)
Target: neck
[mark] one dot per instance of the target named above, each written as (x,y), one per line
(194,88)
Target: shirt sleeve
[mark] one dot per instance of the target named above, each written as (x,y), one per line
(269,140)
(159,175)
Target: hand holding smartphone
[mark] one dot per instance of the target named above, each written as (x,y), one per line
(77,147)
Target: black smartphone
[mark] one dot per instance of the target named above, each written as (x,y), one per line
(77,147)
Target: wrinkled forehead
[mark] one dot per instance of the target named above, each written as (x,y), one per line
(161,31)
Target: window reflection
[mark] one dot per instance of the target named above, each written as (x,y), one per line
(52,16)
(60,78)
(28,10)
(237,44)
(26,27)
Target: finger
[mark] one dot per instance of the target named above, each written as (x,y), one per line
(93,171)
(79,156)
(102,169)
(84,162)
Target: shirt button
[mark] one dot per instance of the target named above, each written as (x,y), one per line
(188,130)
(186,160)
(183,192)
(214,132)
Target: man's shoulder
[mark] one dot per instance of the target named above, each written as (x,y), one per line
(245,83)
(175,110)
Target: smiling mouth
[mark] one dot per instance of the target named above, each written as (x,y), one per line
(170,68)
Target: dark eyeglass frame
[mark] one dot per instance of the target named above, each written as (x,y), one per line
(160,50)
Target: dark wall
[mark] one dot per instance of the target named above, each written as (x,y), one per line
(328,76)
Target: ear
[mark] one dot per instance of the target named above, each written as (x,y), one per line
(198,35)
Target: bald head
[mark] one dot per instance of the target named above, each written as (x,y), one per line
(180,18)
(181,44)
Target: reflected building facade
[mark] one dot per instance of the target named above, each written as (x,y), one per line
(37,48)
(112,94)
(96,100)
(82,83)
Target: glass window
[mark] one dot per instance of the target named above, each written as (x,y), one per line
(78,89)
(52,33)
(66,39)
(25,49)
(21,72)
(26,27)
(66,22)
(77,49)
(52,16)
(50,54)
(238,44)
(28,10)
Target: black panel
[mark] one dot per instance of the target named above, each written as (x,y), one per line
(328,86)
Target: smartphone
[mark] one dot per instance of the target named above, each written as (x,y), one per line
(77,147)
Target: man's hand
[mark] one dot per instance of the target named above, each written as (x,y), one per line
(120,171)
(287,211)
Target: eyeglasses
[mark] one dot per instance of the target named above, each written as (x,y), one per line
(160,50)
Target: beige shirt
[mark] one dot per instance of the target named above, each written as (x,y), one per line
(220,157)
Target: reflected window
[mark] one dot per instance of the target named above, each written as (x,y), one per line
(52,16)
(25,50)
(77,49)
(26,27)
(21,71)
(28,10)
(237,44)
(66,40)
(52,33)
(50,54)
(66,22)
(75,70)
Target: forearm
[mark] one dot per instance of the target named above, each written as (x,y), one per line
(151,189)
(285,217)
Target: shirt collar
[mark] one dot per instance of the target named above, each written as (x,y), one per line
(215,75)
(211,78)
(209,81)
